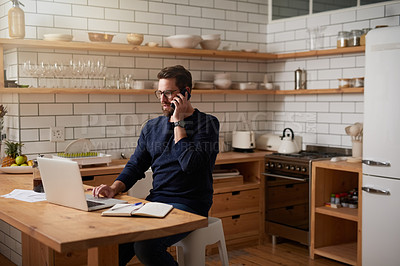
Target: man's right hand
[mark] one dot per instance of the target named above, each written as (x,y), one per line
(108,191)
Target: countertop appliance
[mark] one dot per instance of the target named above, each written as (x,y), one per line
(287,190)
(381,162)
(243,141)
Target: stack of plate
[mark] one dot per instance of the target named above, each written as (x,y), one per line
(57,37)
(204,85)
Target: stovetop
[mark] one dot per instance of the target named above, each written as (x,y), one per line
(299,163)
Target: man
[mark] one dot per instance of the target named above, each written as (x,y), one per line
(181,147)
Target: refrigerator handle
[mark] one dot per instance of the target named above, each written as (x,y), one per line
(375,191)
(376,163)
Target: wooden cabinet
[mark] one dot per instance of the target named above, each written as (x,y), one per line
(241,206)
(6,44)
(99,174)
(335,233)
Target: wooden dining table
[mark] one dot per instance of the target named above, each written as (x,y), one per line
(57,235)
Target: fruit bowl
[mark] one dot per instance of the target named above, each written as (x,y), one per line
(17,169)
(183,41)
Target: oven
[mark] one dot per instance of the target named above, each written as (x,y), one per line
(288,191)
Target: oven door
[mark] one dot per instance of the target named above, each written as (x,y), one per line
(287,204)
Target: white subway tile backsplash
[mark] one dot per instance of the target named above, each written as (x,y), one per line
(392,10)
(88,11)
(175,20)
(225,107)
(343,62)
(120,108)
(72,98)
(89,132)
(190,11)
(204,22)
(344,107)
(210,13)
(247,106)
(103,120)
(317,106)
(72,121)
(226,4)
(118,14)
(329,74)
(28,109)
(55,109)
(104,3)
(343,17)
(248,27)
(329,118)
(164,8)
(148,17)
(38,20)
(317,20)
(133,27)
(142,5)
(91,108)
(53,8)
(352,118)
(102,25)
(390,21)
(370,13)
(29,135)
(284,36)
(37,122)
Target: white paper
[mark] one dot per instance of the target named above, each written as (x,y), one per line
(25,195)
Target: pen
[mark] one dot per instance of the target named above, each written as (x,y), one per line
(137,205)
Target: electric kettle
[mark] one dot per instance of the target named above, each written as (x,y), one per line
(288,145)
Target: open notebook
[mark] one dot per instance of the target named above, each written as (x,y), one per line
(149,209)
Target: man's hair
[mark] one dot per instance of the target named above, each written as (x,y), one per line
(183,78)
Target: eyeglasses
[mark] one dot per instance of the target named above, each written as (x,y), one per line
(167,94)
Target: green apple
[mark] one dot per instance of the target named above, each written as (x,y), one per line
(14,164)
(20,159)
(24,164)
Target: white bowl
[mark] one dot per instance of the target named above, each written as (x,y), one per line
(248,86)
(211,37)
(183,41)
(210,44)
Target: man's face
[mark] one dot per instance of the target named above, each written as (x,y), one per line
(167,90)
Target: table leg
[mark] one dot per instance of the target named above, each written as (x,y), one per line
(36,253)
(103,256)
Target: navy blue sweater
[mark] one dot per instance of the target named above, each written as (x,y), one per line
(182,171)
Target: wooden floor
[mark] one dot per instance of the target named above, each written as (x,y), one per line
(266,255)
(282,254)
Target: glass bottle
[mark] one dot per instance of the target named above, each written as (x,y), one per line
(16,21)
(342,39)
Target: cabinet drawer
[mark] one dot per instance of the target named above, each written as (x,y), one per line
(241,225)
(291,215)
(236,202)
(287,195)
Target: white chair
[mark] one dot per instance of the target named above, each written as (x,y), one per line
(190,251)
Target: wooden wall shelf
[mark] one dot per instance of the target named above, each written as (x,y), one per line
(150,91)
(128,48)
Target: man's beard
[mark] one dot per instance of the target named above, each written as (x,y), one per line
(167,113)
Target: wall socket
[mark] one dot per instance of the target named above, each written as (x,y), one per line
(56,134)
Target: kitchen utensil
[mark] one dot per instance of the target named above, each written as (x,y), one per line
(248,86)
(288,145)
(243,141)
(300,79)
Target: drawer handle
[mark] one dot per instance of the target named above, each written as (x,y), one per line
(235,217)
(235,193)
(88,177)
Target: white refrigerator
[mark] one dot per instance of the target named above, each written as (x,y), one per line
(381,146)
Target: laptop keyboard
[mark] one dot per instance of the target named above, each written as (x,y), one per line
(93,203)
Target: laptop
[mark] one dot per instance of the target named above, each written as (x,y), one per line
(62,182)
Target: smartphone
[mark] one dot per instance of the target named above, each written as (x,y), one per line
(183,92)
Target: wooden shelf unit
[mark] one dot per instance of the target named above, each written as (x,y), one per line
(195,91)
(335,233)
(6,44)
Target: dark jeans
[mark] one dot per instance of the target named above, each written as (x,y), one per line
(153,251)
